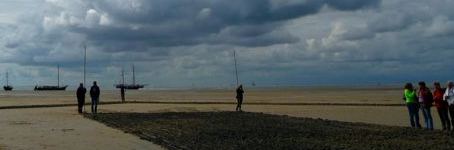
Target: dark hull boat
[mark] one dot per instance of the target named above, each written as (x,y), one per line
(130,86)
(50,88)
(8,88)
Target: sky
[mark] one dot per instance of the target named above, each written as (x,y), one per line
(190,43)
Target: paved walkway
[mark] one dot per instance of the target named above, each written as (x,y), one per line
(61,128)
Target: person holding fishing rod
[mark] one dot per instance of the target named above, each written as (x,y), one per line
(239,89)
(239,97)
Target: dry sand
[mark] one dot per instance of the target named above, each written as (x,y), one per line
(63,128)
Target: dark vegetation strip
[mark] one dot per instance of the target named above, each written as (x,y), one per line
(234,130)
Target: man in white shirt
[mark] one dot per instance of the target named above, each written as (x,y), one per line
(449,97)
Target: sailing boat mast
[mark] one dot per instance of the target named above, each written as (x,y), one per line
(236,69)
(7,87)
(58,75)
(123,77)
(7,82)
(132,86)
(133,76)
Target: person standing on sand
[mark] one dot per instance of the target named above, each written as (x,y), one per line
(425,99)
(122,93)
(410,98)
(442,106)
(449,98)
(94,94)
(239,97)
(81,97)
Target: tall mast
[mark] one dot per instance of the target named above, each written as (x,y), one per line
(133,75)
(85,61)
(7,82)
(236,69)
(58,75)
(122,77)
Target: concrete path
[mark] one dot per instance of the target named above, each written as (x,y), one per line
(61,128)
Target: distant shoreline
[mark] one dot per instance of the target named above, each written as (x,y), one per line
(315,87)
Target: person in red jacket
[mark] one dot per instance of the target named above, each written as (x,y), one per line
(442,106)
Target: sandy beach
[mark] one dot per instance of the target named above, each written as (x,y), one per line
(266,95)
(60,127)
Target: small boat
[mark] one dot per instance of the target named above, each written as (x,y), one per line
(52,87)
(132,86)
(7,87)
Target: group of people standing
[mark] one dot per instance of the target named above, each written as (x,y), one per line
(423,99)
(94,94)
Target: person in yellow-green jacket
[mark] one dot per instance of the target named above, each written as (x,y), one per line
(411,99)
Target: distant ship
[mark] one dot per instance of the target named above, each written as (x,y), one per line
(7,87)
(52,87)
(132,86)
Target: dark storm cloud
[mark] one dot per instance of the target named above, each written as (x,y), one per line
(184,41)
(175,23)
(352,4)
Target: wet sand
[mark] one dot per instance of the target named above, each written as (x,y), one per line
(285,95)
(226,130)
(385,115)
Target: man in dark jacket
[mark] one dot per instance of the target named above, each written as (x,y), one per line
(81,97)
(94,94)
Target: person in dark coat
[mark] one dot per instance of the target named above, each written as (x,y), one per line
(239,97)
(122,93)
(94,94)
(425,99)
(81,97)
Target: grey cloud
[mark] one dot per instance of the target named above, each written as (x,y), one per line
(352,4)
(389,22)
(400,16)
(176,23)
(441,26)
(172,42)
